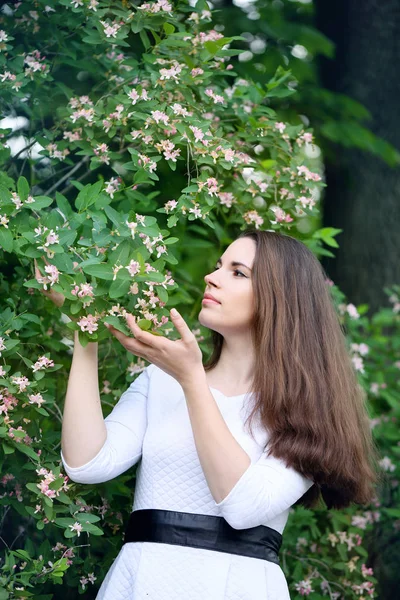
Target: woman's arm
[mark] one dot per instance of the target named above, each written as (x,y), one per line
(248,494)
(83,428)
(125,427)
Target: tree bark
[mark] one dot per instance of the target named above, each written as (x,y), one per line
(363,192)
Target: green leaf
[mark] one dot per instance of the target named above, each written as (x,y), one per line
(6,239)
(145,39)
(64,521)
(28,451)
(119,287)
(8,449)
(102,271)
(162,293)
(168,28)
(88,196)
(92,529)
(23,188)
(87,517)
(114,216)
(33,488)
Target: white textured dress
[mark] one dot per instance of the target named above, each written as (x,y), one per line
(151,422)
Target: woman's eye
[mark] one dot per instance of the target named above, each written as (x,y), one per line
(236,271)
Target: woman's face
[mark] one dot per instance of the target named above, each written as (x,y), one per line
(231,284)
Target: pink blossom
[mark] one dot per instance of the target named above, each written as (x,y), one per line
(180,110)
(112,186)
(144,161)
(76,527)
(110,29)
(386,464)
(358,363)
(303,170)
(196,211)
(171,73)
(196,71)
(154,7)
(42,363)
(352,311)
(226,198)
(36,399)
(252,216)
(88,323)
(4,220)
(198,134)
(304,587)
(133,267)
(158,116)
(22,382)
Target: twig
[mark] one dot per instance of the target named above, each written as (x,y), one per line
(5,543)
(67,175)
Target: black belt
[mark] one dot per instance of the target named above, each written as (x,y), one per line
(202,531)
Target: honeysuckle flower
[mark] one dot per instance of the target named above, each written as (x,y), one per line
(218,99)
(4,221)
(36,399)
(304,587)
(308,175)
(133,268)
(171,73)
(226,198)
(359,521)
(88,323)
(112,186)
(22,382)
(110,29)
(42,363)
(158,116)
(352,311)
(76,527)
(252,216)
(386,464)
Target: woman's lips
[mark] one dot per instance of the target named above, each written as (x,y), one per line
(209,301)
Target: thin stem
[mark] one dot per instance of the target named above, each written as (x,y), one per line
(67,175)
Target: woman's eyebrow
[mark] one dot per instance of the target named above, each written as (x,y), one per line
(235,264)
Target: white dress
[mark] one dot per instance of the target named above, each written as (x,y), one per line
(151,422)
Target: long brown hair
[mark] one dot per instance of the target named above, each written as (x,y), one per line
(305,387)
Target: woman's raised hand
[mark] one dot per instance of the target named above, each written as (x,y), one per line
(182,358)
(56,297)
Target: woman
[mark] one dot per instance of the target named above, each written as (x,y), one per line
(213,495)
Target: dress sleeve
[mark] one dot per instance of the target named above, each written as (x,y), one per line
(266,489)
(126,426)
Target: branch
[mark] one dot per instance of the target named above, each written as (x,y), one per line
(67,175)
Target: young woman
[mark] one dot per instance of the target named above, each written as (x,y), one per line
(275,417)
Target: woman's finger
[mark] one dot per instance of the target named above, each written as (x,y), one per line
(146,338)
(130,344)
(181,326)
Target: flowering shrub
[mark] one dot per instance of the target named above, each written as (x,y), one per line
(142,101)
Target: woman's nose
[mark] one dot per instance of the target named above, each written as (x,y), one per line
(209,279)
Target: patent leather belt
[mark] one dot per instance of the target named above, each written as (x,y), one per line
(202,531)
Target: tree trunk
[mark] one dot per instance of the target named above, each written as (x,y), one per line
(363,192)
